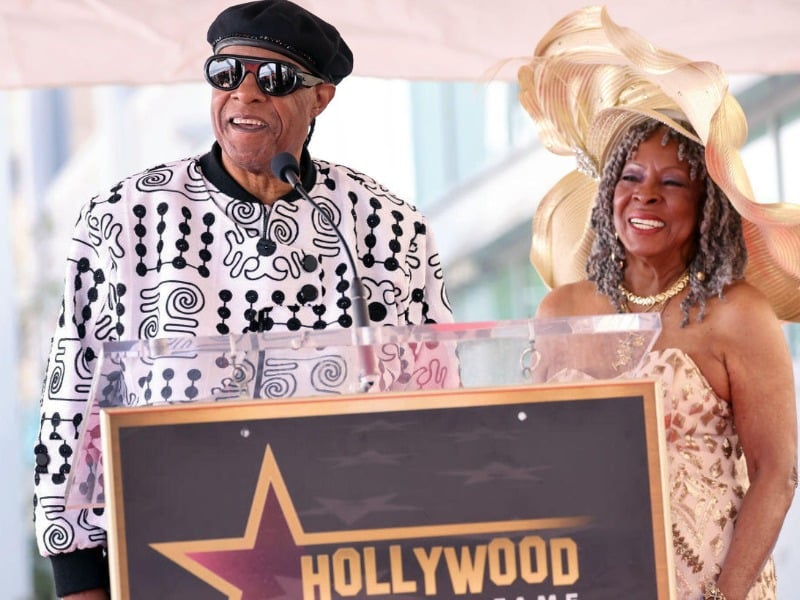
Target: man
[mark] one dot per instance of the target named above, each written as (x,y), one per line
(217,244)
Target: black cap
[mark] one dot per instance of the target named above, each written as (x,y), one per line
(286,28)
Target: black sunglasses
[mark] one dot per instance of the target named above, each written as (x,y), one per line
(275,78)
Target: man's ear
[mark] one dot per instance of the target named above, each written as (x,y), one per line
(324,94)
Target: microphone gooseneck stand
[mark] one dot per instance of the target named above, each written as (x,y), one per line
(284,166)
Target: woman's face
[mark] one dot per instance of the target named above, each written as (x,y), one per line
(656,204)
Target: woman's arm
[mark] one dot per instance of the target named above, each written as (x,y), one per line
(759,368)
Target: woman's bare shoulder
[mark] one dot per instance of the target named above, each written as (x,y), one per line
(742,300)
(743,315)
(572,299)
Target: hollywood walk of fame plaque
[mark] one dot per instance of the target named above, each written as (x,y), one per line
(518,492)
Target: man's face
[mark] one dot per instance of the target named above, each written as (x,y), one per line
(252,127)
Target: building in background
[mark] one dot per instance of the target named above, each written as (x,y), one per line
(465,153)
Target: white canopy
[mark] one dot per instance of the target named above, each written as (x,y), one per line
(68,42)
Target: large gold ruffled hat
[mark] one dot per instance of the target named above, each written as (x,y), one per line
(589,81)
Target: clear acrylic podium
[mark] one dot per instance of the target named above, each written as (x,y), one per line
(452,381)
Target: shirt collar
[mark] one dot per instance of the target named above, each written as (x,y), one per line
(214,171)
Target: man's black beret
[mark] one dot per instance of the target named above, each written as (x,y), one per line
(286,28)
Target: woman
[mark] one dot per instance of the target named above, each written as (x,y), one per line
(665,236)
(723,360)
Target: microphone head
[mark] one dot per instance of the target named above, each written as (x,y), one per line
(282,165)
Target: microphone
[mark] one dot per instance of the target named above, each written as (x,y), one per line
(284,166)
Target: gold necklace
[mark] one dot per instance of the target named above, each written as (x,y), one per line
(651,302)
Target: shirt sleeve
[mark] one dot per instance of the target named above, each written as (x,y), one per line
(428,295)
(84,323)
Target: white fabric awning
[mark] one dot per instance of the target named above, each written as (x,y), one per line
(68,42)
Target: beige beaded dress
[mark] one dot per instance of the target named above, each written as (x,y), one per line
(707,474)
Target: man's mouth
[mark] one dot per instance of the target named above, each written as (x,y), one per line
(247,123)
